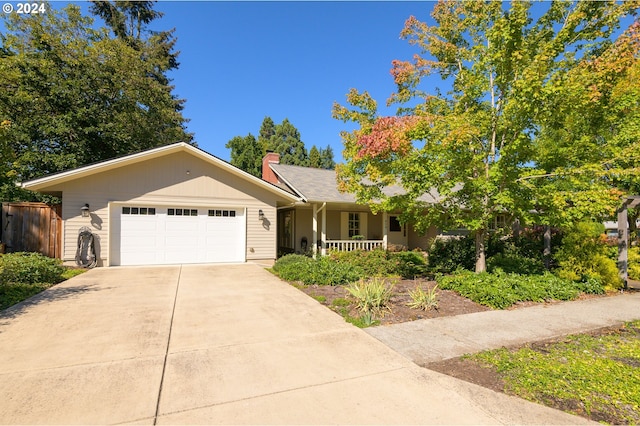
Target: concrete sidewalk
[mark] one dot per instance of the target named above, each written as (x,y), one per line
(430,340)
(218,344)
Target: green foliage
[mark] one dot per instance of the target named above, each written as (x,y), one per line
(72,95)
(633,257)
(408,264)
(476,139)
(446,255)
(371,296)
(30,268)
(597,373)
(290,259)
(12,293)
(326,158)
(515,263)
(425,300)
(340,302)
(374,263)
(314,157)
(286,141)
(500,290)
(246,154)
(320,298)
(322,271)
(23,275)
(380,263)
(584,254)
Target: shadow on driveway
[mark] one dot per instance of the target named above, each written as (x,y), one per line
(52,294)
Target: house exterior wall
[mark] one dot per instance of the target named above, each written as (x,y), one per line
(419,240)
(179,179)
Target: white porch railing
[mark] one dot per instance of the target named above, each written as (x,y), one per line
(349,245)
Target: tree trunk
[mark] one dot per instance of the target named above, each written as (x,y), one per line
(546,254)
(481,261)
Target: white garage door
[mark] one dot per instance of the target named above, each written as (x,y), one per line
(169,235)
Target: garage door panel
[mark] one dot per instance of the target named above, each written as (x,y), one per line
(214,235)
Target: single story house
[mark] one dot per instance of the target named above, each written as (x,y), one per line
(168,205)
(331,218)
(180,204)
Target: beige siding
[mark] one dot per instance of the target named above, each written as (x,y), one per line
(422,241)
(175,179)
(304,227)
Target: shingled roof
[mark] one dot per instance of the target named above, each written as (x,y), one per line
(320,185)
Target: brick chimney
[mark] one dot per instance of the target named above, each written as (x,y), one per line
(267,173)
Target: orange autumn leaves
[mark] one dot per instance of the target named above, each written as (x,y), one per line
(389,135)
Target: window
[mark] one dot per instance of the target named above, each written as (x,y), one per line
(182,212)
(499,222)
(222,213)
(144,211)
(394,224)
(354,224)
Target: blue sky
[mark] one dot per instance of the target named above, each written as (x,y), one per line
(243,61)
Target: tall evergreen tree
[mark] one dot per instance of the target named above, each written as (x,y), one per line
(129,21)
(267,132)
(326,158)
(288,144)
(314,157)
(246,154)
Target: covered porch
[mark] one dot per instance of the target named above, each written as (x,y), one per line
(342,227)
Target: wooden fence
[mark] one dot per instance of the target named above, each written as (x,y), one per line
(34,227)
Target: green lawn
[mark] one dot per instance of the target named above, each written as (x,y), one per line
(594,376)
(15,292)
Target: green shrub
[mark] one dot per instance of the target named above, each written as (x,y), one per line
(12,293)
(447,255)
(501,290)
(530,244)
(372,296)
(408,264)
(290,259)
(30,268)
(322,271)
(515,263)
(584,254)
(591,285)
(374,263)
(634,263)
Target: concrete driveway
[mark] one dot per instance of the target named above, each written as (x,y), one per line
(217,344)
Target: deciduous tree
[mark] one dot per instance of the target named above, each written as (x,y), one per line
(466,150)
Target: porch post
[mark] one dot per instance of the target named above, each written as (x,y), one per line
(314,240)
(323,234)
(623,241)
(385,229)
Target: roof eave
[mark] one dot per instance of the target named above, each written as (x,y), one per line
(45,182)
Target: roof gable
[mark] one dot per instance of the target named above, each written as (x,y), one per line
(50,181)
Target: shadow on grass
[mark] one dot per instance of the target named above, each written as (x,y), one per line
(52,294)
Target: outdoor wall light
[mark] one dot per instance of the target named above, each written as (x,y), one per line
(85,210)
(260,214)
